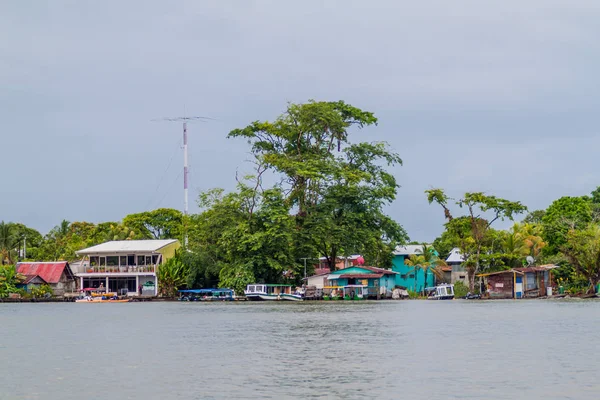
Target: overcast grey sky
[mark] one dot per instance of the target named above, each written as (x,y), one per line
(495,96)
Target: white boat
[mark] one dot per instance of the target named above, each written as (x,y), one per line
(270,292)
(445,291)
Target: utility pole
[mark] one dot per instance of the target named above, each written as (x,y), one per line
(185,167)
(305,258)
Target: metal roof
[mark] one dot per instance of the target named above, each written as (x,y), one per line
(127,246)
(48,271)
(32,278)
(353,276)
(455,256)
(408,250)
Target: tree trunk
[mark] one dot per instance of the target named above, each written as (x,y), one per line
(471,276)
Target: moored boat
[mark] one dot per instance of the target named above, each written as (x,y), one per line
(444,291)
(270,292)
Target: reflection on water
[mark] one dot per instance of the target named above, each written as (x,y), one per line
(353,350)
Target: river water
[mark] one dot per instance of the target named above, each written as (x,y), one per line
(528,349)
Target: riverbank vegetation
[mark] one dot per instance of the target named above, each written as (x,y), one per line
(326,197)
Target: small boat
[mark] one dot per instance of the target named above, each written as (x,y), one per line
(445,291)
(270,292)
(92,295)
(206,294)
(90,299)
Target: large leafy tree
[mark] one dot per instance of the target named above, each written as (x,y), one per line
(563,215)
(473,229)
(336,189)
(582,250)
(163,223)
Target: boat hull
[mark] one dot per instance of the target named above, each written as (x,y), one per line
(101,301)
(441,298)
(262,297)
(291,297)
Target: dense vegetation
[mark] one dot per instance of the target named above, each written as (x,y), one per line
(328,199)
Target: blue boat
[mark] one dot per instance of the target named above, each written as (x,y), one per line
(219,294)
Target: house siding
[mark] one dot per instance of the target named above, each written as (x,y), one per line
(417,282)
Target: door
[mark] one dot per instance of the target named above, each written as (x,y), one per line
(519,287)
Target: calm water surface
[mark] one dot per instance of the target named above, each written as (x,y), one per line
(386,350)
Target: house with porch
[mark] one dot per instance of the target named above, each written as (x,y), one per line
(125,266)
(410,277)
(58,275)
(378,281)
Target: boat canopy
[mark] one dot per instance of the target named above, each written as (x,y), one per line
(199,291)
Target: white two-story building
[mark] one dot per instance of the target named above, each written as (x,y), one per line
(124,266)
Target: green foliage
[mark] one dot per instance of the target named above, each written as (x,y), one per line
(563,215)
(582,250)
(534,217)
(460,289)
(9,279)
(172,275)
(413,294)
(42,291)
(163,223)
(336,188)
(472,232)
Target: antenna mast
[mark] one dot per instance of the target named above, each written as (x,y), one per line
(185,167)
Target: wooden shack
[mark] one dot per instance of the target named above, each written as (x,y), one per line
(517,283)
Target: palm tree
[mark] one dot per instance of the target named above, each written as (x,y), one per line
(426,259)
(7,243)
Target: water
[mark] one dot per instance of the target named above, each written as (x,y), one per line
(532,349)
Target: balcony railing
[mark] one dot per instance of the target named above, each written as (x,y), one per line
(116,269)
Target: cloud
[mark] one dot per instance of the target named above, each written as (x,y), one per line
(494,96)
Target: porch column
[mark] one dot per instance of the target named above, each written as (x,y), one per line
(106,286)
(137,284)
(81,282)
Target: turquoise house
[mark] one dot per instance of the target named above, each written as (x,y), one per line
(408,276)
(378,280)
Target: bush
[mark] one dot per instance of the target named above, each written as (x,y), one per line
(42,291)
(412,294)
(460,289)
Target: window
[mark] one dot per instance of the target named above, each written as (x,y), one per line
(112,261)
(461,277)
(123,261)
(412,276)
(103,261)
(141,260)
(93,261)
(155,259)
(403,276)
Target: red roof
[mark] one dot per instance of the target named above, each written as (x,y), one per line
(50,272)
(29,278)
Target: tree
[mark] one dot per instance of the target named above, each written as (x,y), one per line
(163,223)
(582,249)
(8,243)
(534,217)
(473,229)
(171,276)
(336,189)
(563,215)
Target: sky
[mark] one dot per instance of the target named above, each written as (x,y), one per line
(493,96)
